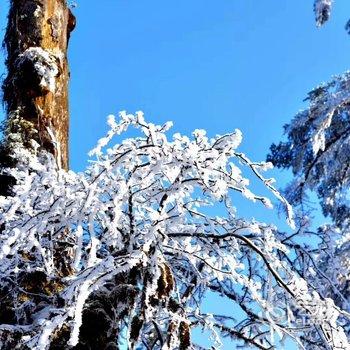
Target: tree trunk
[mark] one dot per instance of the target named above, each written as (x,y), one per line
(36,87)
(36,98)
(35,93)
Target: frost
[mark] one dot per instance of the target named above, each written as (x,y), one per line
(322,10)
(38,11)
(142,206)
(45,65)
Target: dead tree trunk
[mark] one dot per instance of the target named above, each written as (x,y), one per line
(36,98)
(35,91)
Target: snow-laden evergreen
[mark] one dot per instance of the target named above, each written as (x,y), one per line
(318,152)
(322,10)
(318,149)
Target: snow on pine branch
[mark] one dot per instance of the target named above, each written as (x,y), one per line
(317,149)
(140,213)
(322,9)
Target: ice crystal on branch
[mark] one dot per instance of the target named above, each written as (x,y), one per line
(132,244)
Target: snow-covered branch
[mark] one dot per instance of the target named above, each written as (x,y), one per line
(139,239)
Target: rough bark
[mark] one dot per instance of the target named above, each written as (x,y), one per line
(36,98)
(35,94)
(35,90)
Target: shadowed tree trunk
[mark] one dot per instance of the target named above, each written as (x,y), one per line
(36,99)
(35,91)
(35,94)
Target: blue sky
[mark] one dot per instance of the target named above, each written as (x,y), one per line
(217,65)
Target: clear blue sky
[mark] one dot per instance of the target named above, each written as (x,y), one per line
(217,65)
